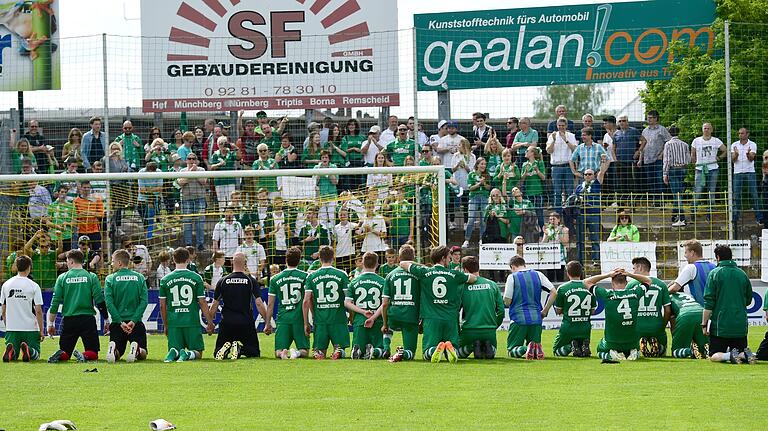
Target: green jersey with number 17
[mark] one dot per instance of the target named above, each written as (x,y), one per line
(181,289)
(288,288)
(621,313)
(441,290)
(402,289)
(650,310)
(365,291)
(328,286)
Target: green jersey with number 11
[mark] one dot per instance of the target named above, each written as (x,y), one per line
(328,286)
(365,291)
(181,290)
(441,290)
(621,313)
(288,288)
(402,289)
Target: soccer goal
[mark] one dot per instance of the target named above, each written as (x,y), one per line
(259,212)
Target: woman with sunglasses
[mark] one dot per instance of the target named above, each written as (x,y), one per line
(624,231)
(72,148)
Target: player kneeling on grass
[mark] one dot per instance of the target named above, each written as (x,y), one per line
(482,311)
(523,296)
(400,308)
(125,292)
(182,299)
(237,329)
(440,290)
(653,312)
(576,304)
(22,311)
(288,288)
(726,297)
(620,340)
(364,294)
(688,339)
(76,291)
(324,295)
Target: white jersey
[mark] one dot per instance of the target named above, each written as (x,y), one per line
(706,152)
(20,295)
(343,234)
(254,253)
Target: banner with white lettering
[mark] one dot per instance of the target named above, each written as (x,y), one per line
(213,55)
(741,249)
(620,254)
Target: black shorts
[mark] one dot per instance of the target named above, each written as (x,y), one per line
(244,333)
(722,345)
(121,339)
(75,327)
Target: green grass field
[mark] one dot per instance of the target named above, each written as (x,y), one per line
(249,394)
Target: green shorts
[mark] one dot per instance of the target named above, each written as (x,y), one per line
(687,330)
(467,337)
(625,348)
(32,338)
(521,335)
(437,331)
(410,333)
(362,336)
(288,333)
(190,338)
(568,333)
(336,333)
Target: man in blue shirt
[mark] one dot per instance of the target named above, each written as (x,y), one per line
(625,143)
(93,144)
(560,111)
(589,212)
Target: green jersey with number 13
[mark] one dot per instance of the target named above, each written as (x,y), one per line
(328,286)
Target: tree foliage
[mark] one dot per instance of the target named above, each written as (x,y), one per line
(578,98)
(696,93)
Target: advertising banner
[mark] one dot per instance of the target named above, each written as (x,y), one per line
(215,55)
(620,254)
(741,249)
(572,44)
(29,45)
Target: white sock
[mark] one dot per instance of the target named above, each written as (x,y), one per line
(192,355)
(726,356)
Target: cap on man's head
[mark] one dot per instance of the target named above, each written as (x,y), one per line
(84,239)
(375,129)
(313,125)
(441,123)
(455,248)
(453,124)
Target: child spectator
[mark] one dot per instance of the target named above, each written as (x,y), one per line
(215,271)
(256,257)
(164,267)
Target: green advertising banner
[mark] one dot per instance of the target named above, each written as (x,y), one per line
(557,45)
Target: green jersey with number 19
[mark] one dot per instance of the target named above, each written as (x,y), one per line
(365,291)
(402,289)
(576,304)
(288,288)
(621,313)
(328,286)
(441,290)
(650,310)
(181,289)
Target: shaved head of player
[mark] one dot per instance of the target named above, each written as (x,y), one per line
(125,292)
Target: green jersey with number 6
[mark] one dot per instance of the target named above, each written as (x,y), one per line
(621,313)
(181,290)
(650,311)
(441,290)
(365,291)
(402,289)
(288,288)
(576,304)
(328,286)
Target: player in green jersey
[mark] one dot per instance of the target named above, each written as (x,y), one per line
(181,315)
(576,304)
(287,288)
(391,256)
(620,341)
(653,312)
(440,299)
(364,293)
(455,262)
(125,292)
(400,308)
(688,340)
(324,296)
(76,290)
(482,311)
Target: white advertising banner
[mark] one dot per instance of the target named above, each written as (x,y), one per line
(227,55)
(496,256)
(536,255)
(620,254)
(302,188)
(741,248)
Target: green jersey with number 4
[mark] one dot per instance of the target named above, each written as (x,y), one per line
(576,304)
(288,288)
(650,310)
(621,313)
(402,289)
(181,289)
(328,286)
(441,290)
(365,291)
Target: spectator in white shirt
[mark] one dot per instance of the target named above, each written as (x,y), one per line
(706,150)
(380,182)
(227,234)
(372,146)
(388,135)
(743,156)
(463,163)
(374,227)
(256,257)
(449,144)
(345,247)
(560,146)
(442,130)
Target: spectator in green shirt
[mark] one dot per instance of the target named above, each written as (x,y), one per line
(624,229)
(265,163)
(493,154)
(533,175)
(338,155)
(61,216)
(401,147)
(326,191)
(311,155)
(43,258)
(133,150)
(496,219)
(479,186)
(352,144)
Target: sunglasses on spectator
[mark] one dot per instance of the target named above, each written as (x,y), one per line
(624,218)
(588,174)
(263,151)
(425,150)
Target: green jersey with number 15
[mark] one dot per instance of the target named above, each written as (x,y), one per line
(288,288)
(328,286)
(402,289)
(441,290)
(621,313)
(365,292)
(181,290)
